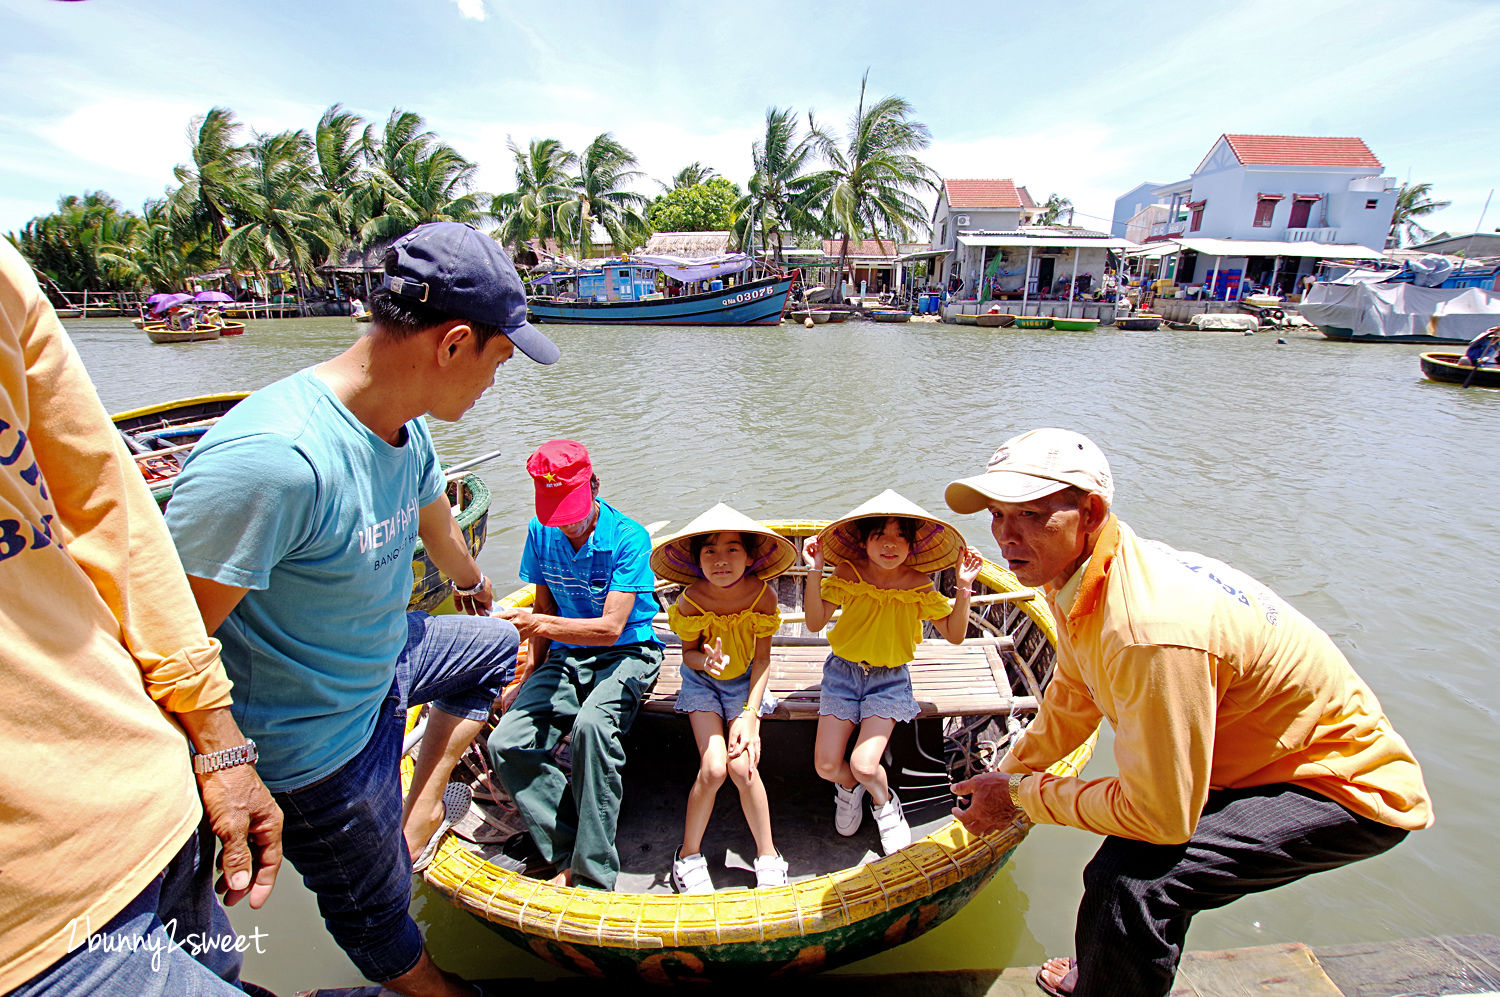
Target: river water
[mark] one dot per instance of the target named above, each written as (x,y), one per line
(1334,473)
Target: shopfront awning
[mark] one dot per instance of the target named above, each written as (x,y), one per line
(926,254)
(1045,241)
(1267,247)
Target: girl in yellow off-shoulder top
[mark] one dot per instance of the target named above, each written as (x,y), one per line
(725,617)
(882,582)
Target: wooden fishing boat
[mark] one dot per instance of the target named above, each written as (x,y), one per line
(162,334)
(844,901)
(1455,368)
(890,315)
(161,436)
(758,302)
(1139,322)
(1075,324)
(818,316)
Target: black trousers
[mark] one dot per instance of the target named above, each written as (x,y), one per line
(1139,898)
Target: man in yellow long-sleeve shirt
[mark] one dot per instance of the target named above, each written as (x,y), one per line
(104,666)
(1250,753)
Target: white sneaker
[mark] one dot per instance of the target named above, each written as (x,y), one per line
(895,833)
(848,808)
(690,874)
(770,870)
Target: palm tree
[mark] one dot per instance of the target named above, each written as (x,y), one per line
(690,175)
(280,202)
(868,185)
(163,255)
(82,245)
(1054,209)
(1412,202)
(342,194)
(604,168)
(542,187)
(215,180)
(779,189)
(416,179)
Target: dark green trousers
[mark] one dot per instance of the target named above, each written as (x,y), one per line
(596,693)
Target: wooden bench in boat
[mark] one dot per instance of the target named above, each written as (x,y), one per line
(965,679)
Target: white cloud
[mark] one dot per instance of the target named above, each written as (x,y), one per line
(474,10)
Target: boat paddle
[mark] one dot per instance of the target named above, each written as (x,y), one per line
(458,470)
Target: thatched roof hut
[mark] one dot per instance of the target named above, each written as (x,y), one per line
(689,244)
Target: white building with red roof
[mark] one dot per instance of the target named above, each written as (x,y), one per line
(1288,200)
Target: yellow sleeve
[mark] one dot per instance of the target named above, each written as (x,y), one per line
(1166,703)
(1068,715)
(106,516)
(836,590)
(764,624)
(684,626)
(934,606)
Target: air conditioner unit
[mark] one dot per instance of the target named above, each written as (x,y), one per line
(960,219)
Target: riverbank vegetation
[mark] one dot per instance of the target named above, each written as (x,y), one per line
(296,201)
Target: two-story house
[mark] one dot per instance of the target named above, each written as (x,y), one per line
(1288,200)
(974,206)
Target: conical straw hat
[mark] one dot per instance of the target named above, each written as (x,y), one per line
(938,544)
(673,557)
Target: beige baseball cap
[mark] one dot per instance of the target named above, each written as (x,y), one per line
(1032,465)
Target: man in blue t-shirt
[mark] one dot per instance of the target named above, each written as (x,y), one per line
(596,659)
(296,518)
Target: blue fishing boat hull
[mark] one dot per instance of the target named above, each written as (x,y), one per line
(759,302)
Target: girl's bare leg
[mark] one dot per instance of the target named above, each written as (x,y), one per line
(864,760)
(828,750)
(753,801)
(708,729)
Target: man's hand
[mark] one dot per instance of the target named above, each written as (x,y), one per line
(522,618)
(744,738)
(990,807)
(247,823)
(479,603)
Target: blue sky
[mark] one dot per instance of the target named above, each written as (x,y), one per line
(1085,99)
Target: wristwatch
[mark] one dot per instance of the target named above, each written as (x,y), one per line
(478,587)
(213,761)
(1015,792)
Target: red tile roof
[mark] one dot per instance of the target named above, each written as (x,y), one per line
(1302,150)
(982,194)
(860,247)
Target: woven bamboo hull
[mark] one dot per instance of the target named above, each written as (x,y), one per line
(1454,368)
(732,935)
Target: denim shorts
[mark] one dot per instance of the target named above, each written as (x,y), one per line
(702,693)
(855,693)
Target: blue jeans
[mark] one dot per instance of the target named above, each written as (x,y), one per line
(190,911)
(131,956)
(343,832)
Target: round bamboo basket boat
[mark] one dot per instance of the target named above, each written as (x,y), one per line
(813,924)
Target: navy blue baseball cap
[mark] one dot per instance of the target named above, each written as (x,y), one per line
(459,271)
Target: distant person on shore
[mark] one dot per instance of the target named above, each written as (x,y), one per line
(884,553)
(1250,754)
(330,478)
(594,658)
(108,684)
(726,615)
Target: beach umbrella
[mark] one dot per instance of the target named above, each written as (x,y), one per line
(169,301)
(211,296)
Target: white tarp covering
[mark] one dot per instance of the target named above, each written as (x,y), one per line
(1401,311)
(689,268)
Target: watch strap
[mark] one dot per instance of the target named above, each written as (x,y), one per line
(214,761)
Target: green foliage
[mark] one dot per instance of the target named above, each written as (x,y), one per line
(84,244)
(782,192)
(707,206)
(1054,209)
(1413,202)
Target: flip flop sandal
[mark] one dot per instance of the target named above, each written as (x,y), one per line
(456,800)
(1069,981)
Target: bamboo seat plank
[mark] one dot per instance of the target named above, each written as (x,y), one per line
(947,679)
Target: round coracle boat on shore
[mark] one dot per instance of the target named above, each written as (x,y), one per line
(844,901)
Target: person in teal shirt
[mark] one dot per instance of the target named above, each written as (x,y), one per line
(296,518)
